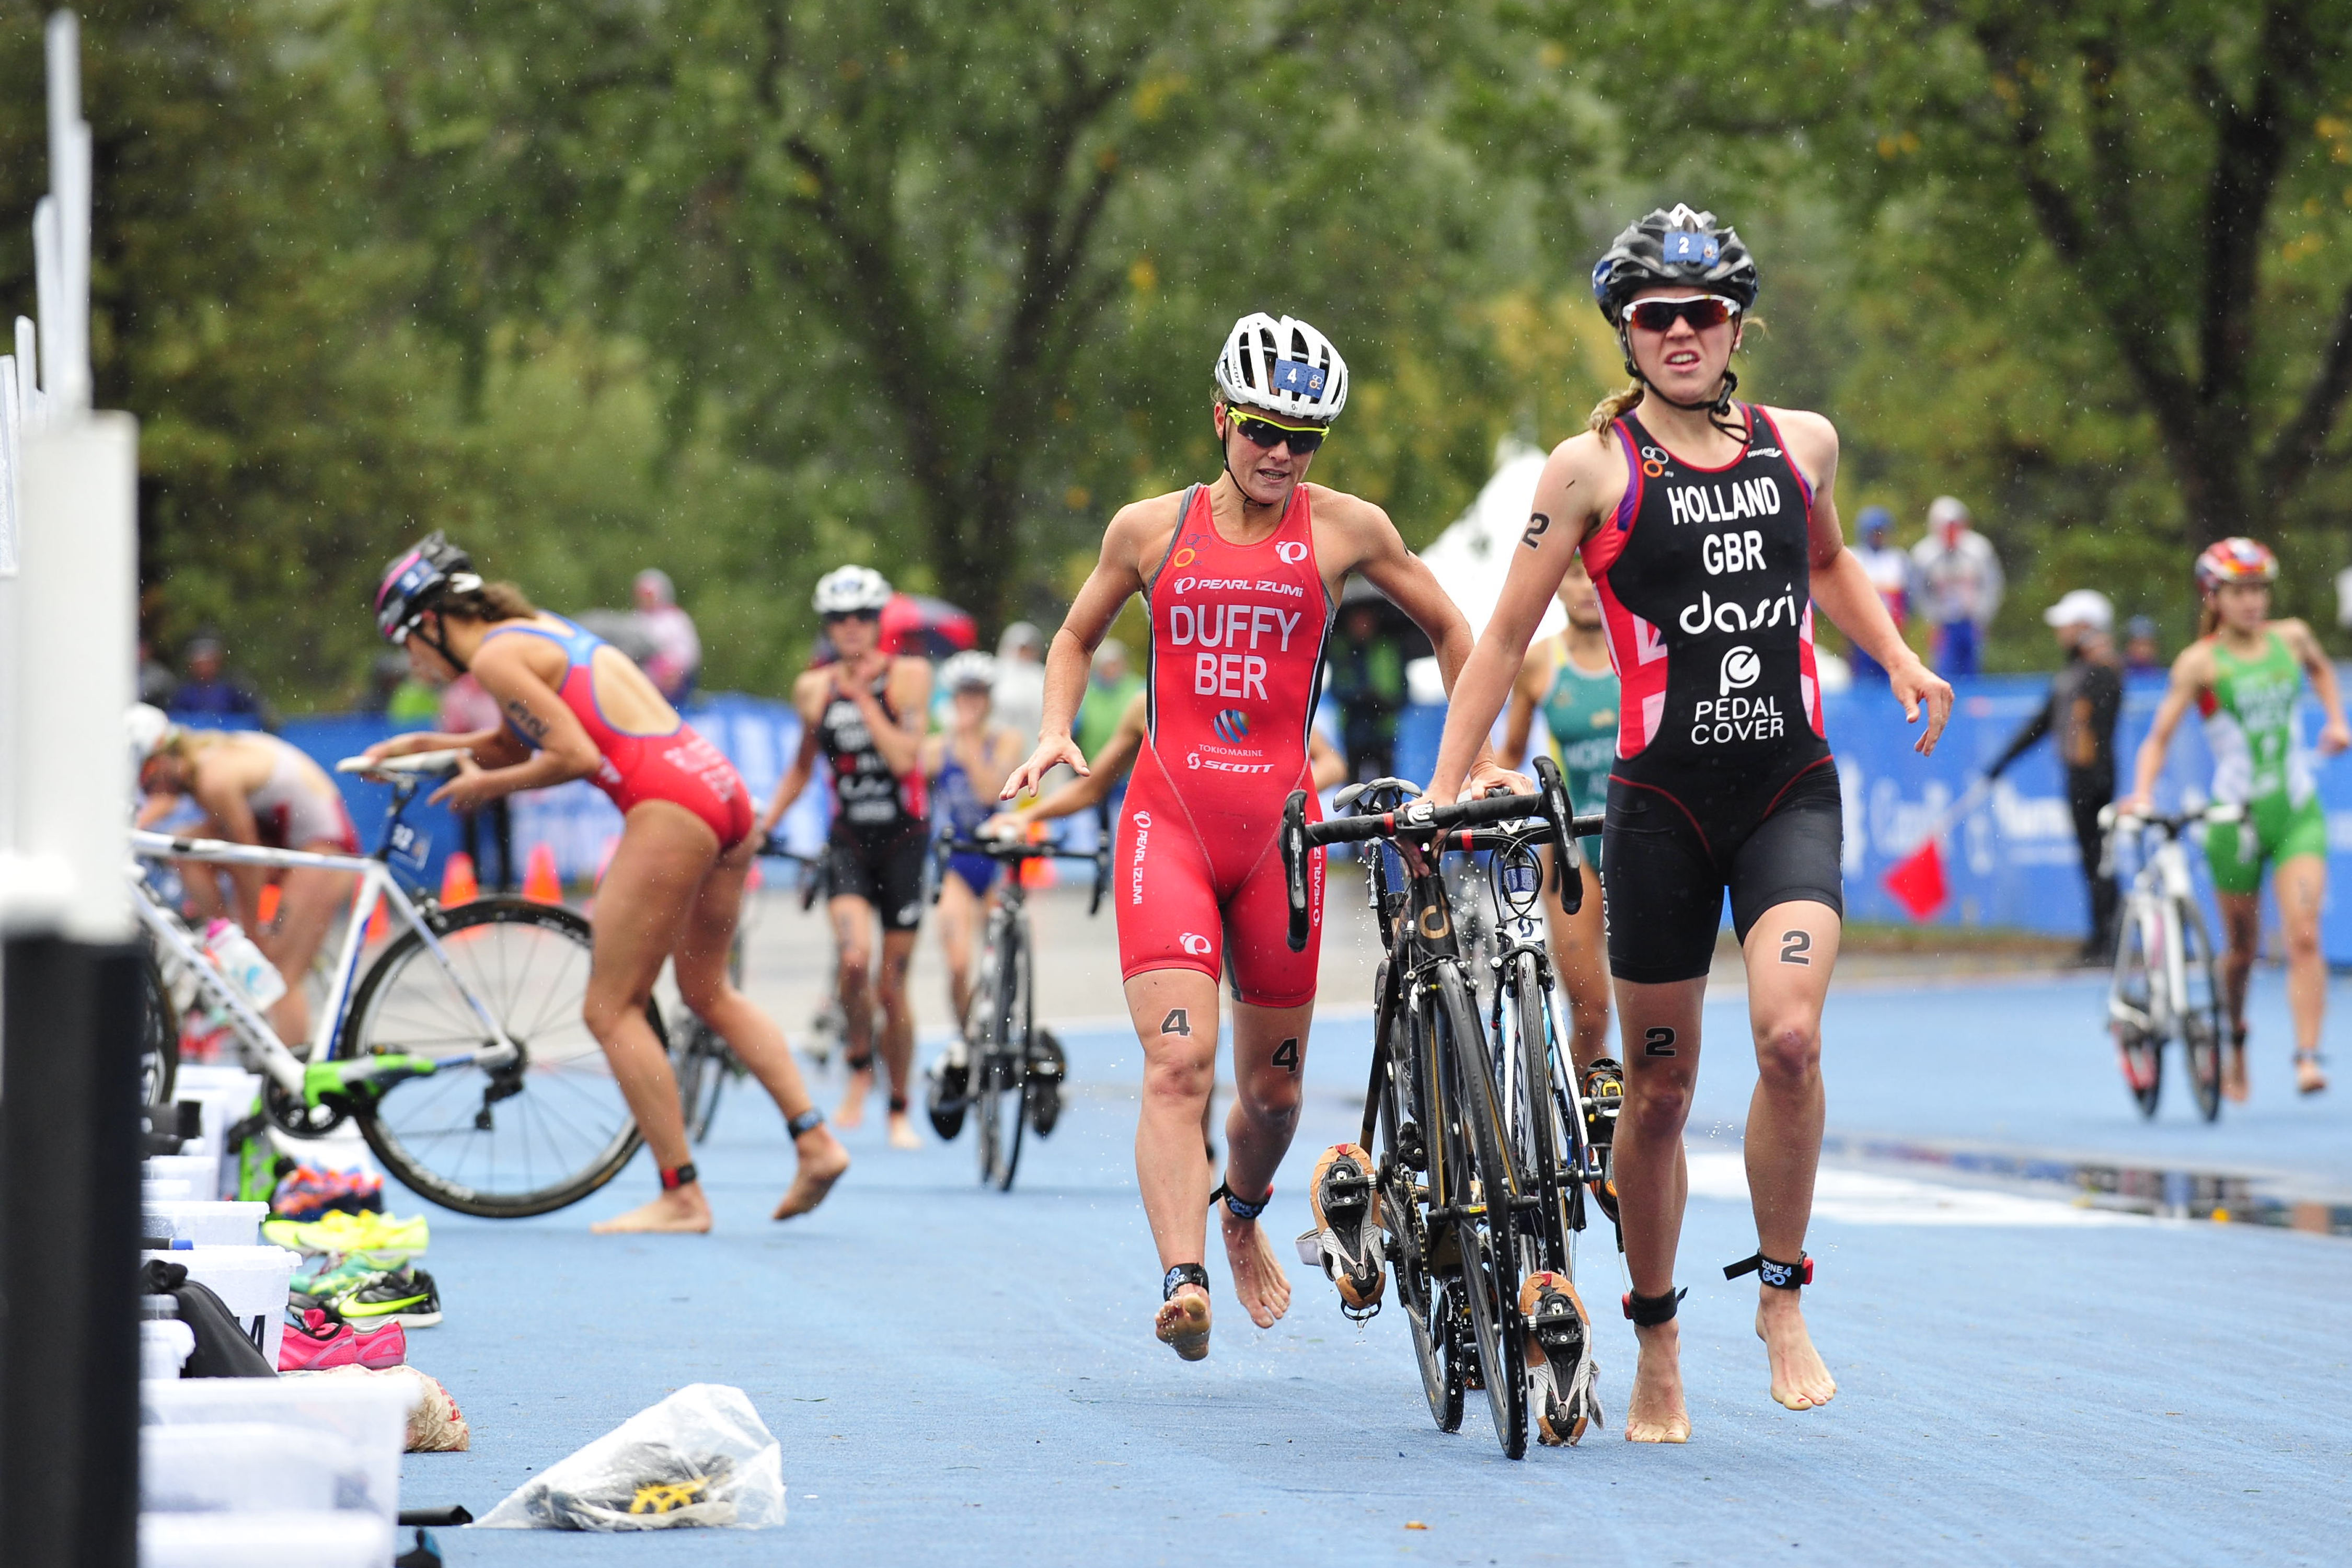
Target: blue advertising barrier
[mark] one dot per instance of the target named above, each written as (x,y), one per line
(2011,861)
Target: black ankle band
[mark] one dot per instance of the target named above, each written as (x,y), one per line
(808,1120)
(673,1180)
(898,1105)
(1181,1274)
(860,1064)
(1649,1311)
(1771,1271)
(1240,1208)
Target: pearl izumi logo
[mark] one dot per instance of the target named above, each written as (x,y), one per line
(1290,552)
(1740,669)
(1195,944)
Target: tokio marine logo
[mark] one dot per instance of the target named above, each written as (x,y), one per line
(1740,669)
(1194,943)
(1290,552)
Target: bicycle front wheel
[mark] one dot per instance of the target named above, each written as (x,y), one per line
(1402,1155)
(1002,1069)
(1490,1279)
(700,1062)
(2131,1010)
(1543,1156)
(2200,1013)
(159,1037)
(534,1137)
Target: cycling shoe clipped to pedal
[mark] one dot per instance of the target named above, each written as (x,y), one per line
(1562,1375)
(1346,1242)
(947,1091)
(1047,1068)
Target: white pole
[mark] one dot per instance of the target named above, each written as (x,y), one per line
(67,336)
(28,377)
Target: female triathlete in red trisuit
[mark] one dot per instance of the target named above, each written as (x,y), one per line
(576,708)
(1240,577)
(1710,529)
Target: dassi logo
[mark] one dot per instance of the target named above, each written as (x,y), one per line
(1195,944)
(1728,616)
(1231,726)
(1290,552)
(1741,668)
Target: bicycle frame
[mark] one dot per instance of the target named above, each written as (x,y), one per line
(2160,889)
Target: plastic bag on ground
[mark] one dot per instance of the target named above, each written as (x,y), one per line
(699,1458)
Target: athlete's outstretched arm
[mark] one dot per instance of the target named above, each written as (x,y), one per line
(1116,579)
(2334,736)
(796,777)
(1842,588)
(2192,673)
(1527,695)
(1110,764)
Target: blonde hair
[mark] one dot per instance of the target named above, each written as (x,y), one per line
(1614,407)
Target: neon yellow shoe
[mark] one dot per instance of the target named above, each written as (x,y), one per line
(379,1236)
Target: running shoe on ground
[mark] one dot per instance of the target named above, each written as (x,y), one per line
(381,1344)
(316,1342)
(334,1278)
(378,1235)
(1347,1231)
(310,1192)
(1561,1371)
(404,1296)
(948,1091)
(1048,1067)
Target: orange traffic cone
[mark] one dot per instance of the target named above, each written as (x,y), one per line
(541,885)
(1039,873)
(457,883)
(379,922)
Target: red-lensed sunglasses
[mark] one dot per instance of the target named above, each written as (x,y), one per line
(1701,311)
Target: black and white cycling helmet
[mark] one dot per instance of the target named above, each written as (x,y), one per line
(969,671)
(1284,367)
(852,590)
(416,581)
(1669,247)
(147,728)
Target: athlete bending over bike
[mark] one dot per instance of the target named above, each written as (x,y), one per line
(2245,673)
(577,707)
(1240,577)
(1710,530)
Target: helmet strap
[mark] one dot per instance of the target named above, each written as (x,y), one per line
(439,642)
(1717,408)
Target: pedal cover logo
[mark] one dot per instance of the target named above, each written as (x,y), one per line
(1233,726)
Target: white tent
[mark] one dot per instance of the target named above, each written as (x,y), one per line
(1472,558)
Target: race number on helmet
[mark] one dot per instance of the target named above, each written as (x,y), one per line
(2236,561)
(1670,248)
(1284,367)
(852,590)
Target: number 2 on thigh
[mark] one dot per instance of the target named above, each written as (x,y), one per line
(1794,945)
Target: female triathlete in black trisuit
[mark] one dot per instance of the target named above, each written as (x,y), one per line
(1709,527)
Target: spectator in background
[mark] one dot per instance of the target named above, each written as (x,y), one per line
(213,697)
(1366,668)
(1018,699)
(1959,581)
(2142,651)
(157,681)
(1112,685)
(2080,712)
(1891,573)
(676,657)
(465,710)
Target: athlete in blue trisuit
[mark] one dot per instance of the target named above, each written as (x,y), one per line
(1709,528)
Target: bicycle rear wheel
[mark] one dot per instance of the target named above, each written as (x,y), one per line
(1401,1156)
(534,1137)
(1490,1279)
(1544,1153)
(2200,1013)
(2130,1010)
(1003,1068)
(701,1060)
(159,1037)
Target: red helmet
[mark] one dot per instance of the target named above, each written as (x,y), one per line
(2236,561)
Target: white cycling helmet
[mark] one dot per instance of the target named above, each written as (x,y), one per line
(852,590)
(146,728)
(1286,367)
(968,670)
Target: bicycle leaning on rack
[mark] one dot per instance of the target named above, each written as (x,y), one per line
(1482,1146)
(705,1063)
(1013,1070)
(2165,987)
(460,1053)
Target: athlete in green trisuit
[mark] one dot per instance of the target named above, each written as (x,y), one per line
(2245,674)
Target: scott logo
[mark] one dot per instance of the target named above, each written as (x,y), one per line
(1740,669)
(1231,726)
(1290,552)
(1194,943)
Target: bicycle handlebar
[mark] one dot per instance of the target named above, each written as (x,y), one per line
(414,763)
(1427,825)
(1014,852)
(2110,820)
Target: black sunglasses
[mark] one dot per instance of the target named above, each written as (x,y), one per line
(1265,433)
(1660,315)
(834,618)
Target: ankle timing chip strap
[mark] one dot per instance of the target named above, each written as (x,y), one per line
(673,1180)
(1238,1207)
(1779,1276)
(1181,1274)
(1649,1311)
(807,1121)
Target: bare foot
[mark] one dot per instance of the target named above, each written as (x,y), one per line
(1182,1323)
(2233,1076)
(2308,1079)
(1799,1381)
(822,1163)
(902,1131)
(1258,1278)
(682,1210)
(852,1114)
(1655,1412)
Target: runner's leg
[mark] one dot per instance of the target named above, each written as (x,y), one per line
(1269,1064)
(2300,886)
(1658,1025)
(955,917)
(852,944)
(898,1031)
(308,899)
(702,980)
(1175,1015)
(2241,934)
(1580,956)
(664,852)
(1789,955)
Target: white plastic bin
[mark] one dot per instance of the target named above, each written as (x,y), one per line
(369,1414)
(204,1224)
(201,1171)
(251,1282)
(151,1189)
(164,1346)
(246,1466)
(319,1540)
(227,1094)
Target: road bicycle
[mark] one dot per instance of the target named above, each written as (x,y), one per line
(1013,1070)
(705,1063)
(2165,987)
(460,1053)
(1482,1145)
